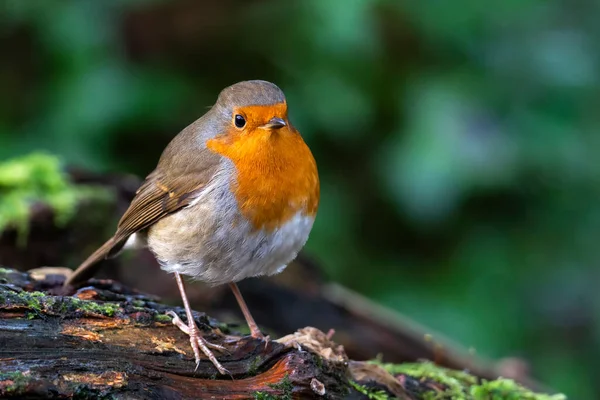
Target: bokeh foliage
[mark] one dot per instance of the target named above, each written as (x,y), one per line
(456,140)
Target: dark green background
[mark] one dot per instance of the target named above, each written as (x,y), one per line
(457,140)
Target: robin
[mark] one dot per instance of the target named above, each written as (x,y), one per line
(234,195)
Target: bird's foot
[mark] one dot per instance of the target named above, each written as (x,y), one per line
(198,342)
(257,334)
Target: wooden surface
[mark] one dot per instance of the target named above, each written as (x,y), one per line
(106,339)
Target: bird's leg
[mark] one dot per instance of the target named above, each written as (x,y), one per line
(254,331)
(178,322)
(198,342)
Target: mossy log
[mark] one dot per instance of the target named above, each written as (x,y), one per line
(106,339)
(50,217)
(109,341)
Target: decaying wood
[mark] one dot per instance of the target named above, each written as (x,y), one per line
(107,339)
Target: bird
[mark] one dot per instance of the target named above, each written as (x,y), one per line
(234,195)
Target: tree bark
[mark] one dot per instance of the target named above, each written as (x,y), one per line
(108,340)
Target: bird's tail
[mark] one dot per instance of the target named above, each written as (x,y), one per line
(92,264)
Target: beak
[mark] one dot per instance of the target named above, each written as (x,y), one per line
(274,123)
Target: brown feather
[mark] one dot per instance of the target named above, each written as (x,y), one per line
(171,186)
(90,266)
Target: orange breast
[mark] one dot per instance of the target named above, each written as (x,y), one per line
(276,174)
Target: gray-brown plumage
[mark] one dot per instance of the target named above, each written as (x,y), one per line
(184,169)
(234,195)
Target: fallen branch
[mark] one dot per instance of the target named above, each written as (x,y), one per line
(109,340)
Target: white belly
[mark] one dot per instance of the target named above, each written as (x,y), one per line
(282,245)
(221,247)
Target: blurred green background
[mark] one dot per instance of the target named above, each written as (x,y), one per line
(456,140)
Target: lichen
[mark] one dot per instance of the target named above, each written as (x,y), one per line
(461,385)
(112,379)
(38,178)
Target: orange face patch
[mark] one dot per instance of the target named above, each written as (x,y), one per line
(276,172)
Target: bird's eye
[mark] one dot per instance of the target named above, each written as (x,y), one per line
(239,121)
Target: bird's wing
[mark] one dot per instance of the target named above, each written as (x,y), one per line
(158,197)
(172,186)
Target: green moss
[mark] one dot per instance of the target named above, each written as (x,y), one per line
(372,394)
(461,385)
(30,300)
(39,303)
(84,392)
(318,361)
(18,382)
(163,318)
(508,389)
(38,178)
(253,367)
(263,396)
(223,327)
(454,381)
(285,386)
(109,309)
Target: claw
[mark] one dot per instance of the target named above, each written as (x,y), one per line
(198,343)
(178,322)
(217,347)
(267,340)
